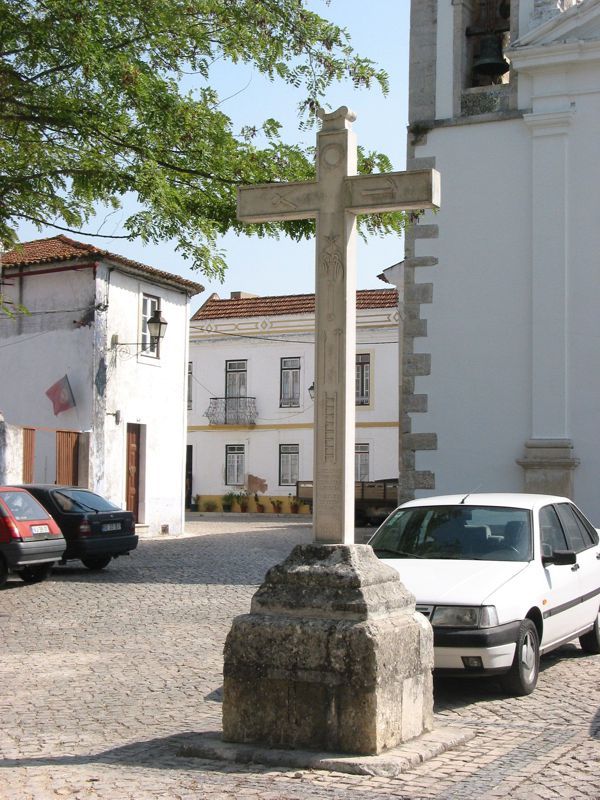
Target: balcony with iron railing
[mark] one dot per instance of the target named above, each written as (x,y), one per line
(232,411)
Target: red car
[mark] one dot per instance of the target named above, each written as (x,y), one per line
(30,540)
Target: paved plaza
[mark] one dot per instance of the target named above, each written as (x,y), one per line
(105,677)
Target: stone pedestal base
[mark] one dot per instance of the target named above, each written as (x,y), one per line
(549,466)
(333,656)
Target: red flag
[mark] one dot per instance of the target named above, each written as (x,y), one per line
(61,395)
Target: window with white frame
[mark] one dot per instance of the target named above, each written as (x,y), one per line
(289,460)
(361,462)
(190,378)
(363,379)
(235,464)
(290,383)
(150,345)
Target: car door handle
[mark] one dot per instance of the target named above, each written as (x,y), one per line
(575,567)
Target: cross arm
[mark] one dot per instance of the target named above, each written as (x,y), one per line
(273,202)
(393,191)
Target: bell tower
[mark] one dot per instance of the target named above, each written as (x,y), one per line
(461,44)
(458,64)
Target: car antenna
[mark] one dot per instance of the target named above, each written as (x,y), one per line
(468,493)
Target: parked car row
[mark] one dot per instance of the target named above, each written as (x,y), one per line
(502,578)
(42,525)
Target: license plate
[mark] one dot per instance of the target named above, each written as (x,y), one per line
(111,526)
(40,529)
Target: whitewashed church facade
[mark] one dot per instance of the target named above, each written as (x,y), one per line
(250,410)
(502,287)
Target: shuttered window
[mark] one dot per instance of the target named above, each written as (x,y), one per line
(235,468)
(290,383)
(289,459)
(361,462)
(363,379)
(150,345)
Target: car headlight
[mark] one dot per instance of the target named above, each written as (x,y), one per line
(465,617)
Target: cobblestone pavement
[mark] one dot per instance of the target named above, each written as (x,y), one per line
(104,676)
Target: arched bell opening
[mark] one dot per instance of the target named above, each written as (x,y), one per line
(487,38)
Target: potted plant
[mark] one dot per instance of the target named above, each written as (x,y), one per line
(277,504)
(260,507)
(210,505)
(242,500)
(228,500)
(294,504)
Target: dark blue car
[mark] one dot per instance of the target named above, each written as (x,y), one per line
(95,529)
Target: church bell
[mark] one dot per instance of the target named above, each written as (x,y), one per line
(490,60)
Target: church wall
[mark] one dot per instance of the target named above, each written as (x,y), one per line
(584,301)
(504,279)
(478,323)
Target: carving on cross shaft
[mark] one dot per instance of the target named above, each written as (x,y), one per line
(333,260)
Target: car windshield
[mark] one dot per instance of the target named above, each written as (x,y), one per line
(482,533)
(81,500)
(23,506)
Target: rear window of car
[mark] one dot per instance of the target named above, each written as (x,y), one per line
(23,506)
(80,500)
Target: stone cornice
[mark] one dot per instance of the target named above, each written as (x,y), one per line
(548,124)
(557,54)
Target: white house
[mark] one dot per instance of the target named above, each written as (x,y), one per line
(89,396)
(250,409)
(501,287)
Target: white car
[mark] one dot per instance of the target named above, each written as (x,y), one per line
(502,578)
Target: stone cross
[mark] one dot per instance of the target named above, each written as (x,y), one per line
(334,200)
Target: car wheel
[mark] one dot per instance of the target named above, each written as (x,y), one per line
(590,641)
(96,562)
(35,573)
(3,572)
(525,669)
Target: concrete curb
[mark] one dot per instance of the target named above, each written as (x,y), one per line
(390,764)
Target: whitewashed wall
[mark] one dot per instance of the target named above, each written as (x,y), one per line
(41,348)
(376,424)
(37,350)
(150,392)
(479,322)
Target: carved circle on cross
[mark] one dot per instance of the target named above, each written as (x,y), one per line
(332,154)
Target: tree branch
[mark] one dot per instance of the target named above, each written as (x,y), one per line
(20,215)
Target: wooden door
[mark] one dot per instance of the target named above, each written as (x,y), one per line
(28,454)
(67,457)
(133,469)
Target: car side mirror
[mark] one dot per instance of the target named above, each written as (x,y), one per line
(558,557)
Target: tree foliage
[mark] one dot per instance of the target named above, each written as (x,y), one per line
(92,108)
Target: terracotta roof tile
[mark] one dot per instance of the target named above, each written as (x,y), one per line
(62,248)
(215,308)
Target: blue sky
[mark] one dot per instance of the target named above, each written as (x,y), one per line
(379,30)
